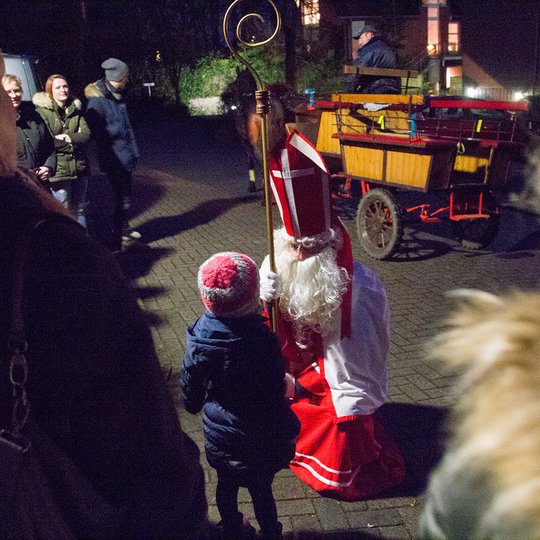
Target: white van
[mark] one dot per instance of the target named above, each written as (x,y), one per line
(25,67)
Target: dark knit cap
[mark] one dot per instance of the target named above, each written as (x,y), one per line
(115,70)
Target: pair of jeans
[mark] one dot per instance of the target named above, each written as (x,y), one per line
(260,490)
(73,195)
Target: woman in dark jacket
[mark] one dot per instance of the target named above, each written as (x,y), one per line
(35,146)
(64,117)
(233,366)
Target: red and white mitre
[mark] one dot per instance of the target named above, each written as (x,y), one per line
(300,182)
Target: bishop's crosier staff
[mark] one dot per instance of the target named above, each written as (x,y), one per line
(263,107)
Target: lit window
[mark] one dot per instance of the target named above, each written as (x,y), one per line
(453,37)
(310,11)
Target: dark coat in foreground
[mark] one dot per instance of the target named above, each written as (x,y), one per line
(234,368)
(94,382)
(35,145)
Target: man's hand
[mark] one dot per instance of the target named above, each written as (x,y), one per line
(270,285)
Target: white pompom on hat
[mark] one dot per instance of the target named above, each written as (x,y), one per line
(229,284)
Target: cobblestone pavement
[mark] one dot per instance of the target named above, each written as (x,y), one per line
(190,201)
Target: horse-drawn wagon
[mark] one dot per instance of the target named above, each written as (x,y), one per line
(388,144)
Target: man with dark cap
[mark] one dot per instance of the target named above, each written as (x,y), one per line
(108,118)
(373,52)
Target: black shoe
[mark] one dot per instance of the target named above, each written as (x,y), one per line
(244,531)
(276,533)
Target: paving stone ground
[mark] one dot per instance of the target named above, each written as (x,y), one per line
(190,201)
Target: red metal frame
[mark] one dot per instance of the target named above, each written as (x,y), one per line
(478,104)
(473,208)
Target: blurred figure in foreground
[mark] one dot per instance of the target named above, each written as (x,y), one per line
(487,485)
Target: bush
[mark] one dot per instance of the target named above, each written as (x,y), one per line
(213,74)
(208,78)
(324,77)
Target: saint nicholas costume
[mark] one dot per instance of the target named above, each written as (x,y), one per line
(341,378)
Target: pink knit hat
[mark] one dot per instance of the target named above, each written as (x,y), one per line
(229,284)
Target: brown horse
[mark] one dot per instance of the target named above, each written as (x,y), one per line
(240,97)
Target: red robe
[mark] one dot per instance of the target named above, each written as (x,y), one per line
(342,451)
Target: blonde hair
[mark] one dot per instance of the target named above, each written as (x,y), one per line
(495,343)
(7,78)
(8,154)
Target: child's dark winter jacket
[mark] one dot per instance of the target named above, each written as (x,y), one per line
(233,366)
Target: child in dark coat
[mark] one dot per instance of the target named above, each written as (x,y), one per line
(233,367)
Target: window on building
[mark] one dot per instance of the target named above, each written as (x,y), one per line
(433,36)
(310,12)
(454,44)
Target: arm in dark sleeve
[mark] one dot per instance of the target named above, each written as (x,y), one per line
(48,151)
(194,384)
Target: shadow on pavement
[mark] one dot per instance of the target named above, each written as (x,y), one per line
(162,227)
(335,535)
(528,243)
(419,431)
(413,248)
(137,261)
(211,534)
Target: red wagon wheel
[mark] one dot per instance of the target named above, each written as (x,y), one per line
(379,223)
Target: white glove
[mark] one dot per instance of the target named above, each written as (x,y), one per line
(270,285)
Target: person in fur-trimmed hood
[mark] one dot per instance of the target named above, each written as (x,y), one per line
(487,486)
(64,117)
(118,153)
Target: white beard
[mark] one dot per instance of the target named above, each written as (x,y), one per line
(311,291)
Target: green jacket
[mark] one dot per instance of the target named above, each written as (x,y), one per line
(72,159)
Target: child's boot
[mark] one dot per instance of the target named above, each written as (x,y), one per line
(240,530)
(272,534)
